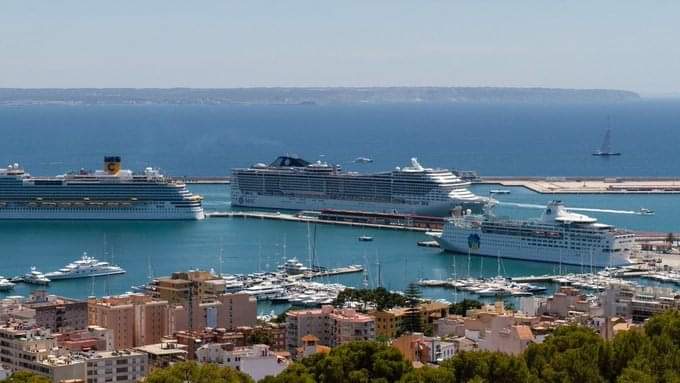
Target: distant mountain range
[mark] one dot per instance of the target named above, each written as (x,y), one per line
(309,96)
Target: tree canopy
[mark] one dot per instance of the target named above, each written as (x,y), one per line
(380,298)
(192,372)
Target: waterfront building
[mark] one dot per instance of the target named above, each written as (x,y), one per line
(256,361)
(331,326)
(111,193)
(294,184)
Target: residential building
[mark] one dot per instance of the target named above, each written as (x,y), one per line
(331,326)
(93,338)
(58,313)
(256,361)
(424,349)
(126,366)
(388,323)
(36,350)
(135,319)
(161,355)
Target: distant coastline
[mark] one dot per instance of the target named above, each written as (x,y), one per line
(308,96)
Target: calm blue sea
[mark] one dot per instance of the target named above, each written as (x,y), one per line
(504,139)
(202,140)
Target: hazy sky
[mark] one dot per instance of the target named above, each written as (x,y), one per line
(145,43)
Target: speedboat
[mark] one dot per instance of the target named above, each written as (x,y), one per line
(5,284)
(363,160)
(499,191)
(365,238)
(33,277)
(293,267)
(85,267)
(644,211)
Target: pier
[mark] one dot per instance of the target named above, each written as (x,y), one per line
(588,185)
(316,219)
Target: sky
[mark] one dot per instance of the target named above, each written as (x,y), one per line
(614,44)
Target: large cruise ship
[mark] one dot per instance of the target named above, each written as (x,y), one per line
(559,236)
(112,193)
(294,184)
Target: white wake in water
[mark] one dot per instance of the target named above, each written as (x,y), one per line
(532,206)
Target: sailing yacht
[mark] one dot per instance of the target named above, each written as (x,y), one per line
(605,150)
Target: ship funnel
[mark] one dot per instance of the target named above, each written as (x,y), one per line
(553,210)
(112,164)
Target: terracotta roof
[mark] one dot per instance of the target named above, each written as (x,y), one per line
(310,338)
(524,332)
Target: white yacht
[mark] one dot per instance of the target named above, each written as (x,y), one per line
(85,267)
(5,284)
(294,184)
(559,236)
(33,277)
(293,267)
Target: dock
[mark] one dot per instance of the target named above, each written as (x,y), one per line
(304,218)
(222,180)
(589,185)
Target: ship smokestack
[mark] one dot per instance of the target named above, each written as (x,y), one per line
(112,164)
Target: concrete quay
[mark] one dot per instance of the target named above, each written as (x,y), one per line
(589,185)
(307,218)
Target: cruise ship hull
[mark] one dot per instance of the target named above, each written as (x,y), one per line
(458,242)
(424,208)
(10,213)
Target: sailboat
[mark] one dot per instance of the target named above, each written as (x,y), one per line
(605,149)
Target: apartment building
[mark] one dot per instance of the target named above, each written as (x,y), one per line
(331,326)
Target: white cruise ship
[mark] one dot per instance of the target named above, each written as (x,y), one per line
(83,268)
(559,236)
(294,184)
(112,193)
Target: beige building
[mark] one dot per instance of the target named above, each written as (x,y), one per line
(256,361)
(135,319)
(24,348)
(388,323)
(331,326)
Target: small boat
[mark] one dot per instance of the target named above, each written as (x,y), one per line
(365,238)
(34,277)
(363,160)
(499,191)
(5,284)
(645,211)
(605,149)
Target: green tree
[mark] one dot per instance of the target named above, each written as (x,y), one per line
(412,320)
(26,377)
(260,336)
(428,375)
(193,372)
(461,308)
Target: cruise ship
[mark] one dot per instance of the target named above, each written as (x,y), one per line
(111,193)
(83,268)
(291,183)
(559,236)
